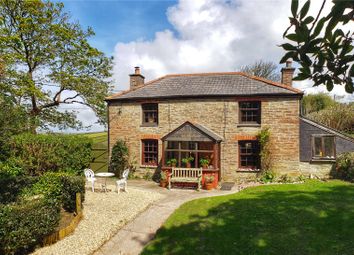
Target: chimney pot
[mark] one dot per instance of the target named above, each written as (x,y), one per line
(288,63)
(136,79)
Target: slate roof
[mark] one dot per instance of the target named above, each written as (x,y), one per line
(206,84)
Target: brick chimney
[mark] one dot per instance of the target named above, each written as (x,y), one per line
(136,79)
(287,74)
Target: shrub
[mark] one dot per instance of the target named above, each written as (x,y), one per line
(316,102)
(344,167)
(265,150)
(119,158)
(267,176)
(11,187)
(50,152)
(71,186)
(23,225)
(61,187)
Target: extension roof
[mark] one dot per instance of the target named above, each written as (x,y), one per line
(206,85)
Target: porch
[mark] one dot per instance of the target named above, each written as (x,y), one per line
(193,146)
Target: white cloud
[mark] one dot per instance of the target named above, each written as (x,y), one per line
(209,36)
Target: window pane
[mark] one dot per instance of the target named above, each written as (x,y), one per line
(249,112)
(150,113)
(328,146)
(249,154)
(318,147)
(188,145)
(206,146)
(150,152)
(172,145)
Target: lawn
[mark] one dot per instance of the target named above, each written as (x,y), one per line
(311,218)
(100,151)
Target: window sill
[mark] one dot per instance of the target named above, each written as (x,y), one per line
(148,166)
(248,125)
(149,125)
(248,170)
(323,160)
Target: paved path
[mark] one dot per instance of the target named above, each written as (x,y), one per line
(132,238)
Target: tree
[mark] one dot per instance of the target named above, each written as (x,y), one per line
(49,63)
(316,102)
(320,44)
(260,68)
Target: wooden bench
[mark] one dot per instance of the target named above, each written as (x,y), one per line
(190,175)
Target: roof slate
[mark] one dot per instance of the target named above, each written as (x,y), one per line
(206,84)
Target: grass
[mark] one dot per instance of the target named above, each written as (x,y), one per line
(311,218)
(100,151)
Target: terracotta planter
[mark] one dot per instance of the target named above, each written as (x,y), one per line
(173,165)
(209,186)
(188,165)
(163,183)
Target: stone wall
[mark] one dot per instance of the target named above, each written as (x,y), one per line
(316,169)
(220,116)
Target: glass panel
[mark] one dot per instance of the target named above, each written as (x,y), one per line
(188,156)
(171,157)
(249,154)
(172,145)
(328,146)
(318,147)
(188,145)
(205,158)
(207,146)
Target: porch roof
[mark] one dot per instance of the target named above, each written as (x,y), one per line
(192,132)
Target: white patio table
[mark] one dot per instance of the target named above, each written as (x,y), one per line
(105,176)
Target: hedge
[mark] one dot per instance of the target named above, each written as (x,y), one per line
(61,187)
(33,208)
(344,167)
(11,187)
(39,153)
(24,225)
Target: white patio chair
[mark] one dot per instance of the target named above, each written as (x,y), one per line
(90,177)
(122,183)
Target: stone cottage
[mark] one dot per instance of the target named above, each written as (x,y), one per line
(216,117)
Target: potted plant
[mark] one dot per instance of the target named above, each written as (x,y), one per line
(204,162)
(172,162)
(208,181)
(187,161)
(163,179)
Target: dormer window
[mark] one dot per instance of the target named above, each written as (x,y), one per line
(150,114)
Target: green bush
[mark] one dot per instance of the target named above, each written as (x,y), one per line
(23,225)
(119,158)
(71,186)
(11,187)
(38,154)
(61,187)
(344,167)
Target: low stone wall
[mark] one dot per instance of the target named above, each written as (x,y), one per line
(316,169)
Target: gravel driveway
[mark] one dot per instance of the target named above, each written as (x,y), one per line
(104,215)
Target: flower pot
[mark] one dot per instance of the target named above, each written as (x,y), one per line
(209,186)
(173,165)
(188,165)
(163,183)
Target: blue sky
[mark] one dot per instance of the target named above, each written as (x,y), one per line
(186,36)
(120,21)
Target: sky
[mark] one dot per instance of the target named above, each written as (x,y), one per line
(186,36)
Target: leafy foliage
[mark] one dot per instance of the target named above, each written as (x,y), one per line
(119,159)
(316,102)
(37,154)
(322,48)
(49,62)
(264,69)
(23,225)
(11,187)
(344,167)
(265,153)
(338,116)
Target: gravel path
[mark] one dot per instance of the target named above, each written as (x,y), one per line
(104,215)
